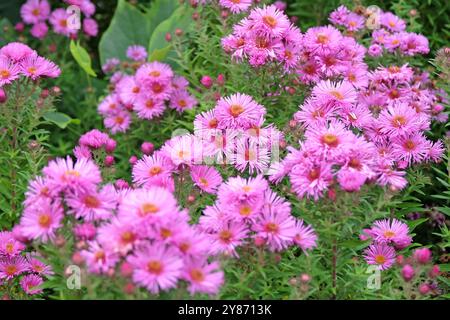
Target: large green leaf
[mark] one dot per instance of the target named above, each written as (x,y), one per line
(129,26)
(82,57)
(159,11)
(62,120)
(180,19)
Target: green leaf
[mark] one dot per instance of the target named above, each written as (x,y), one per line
(355,244)
(181,18)
(160,54)
(414,223)
(159,11)
(82,57)
(62,120)
(129,26)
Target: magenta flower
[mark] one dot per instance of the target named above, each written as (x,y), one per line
(41,220)
(137,53)
(391,231)
(30,284)
(12,267)
(8,71)
(156,267)
(238,111)
(381,255)
(206,178)
(203,277)
(35,11)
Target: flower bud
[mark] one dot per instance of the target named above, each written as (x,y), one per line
(133,160)
(126,269)
(424,288)
(434,271)
(110,145)
(206,81)
(408,272)
(19,27)
(168,37)
(422,256)
(3,96)
(220,79)
(147,148)
(109,161)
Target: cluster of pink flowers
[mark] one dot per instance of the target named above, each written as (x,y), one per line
(370,134)
(388,32)
(16,264)
(17,59)
(246,211)
(146,93)
(38,12)
(419,270)
(91,142)
(235,133)
(351,21)
(387,236)
(265,36)
(142,230)
(234,6)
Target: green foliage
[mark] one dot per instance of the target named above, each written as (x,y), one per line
(82,57)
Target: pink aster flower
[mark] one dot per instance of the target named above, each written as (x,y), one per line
(179,83)
(148,107)
(119,122)
(136,53)
(9,246)
(39,30)
(236,6)
(311,180)
(156,267)
(12,267)
(36,67)
(213,218)
(41,220)
(35,11)
(181,101)
(351,180)
(227,237)
(381,255)
(59,19)
(410,148)
(98,259)
(412,44)
(141,205)
(65,175)
(92,205)
(186,150)
(30,284)
(399,119)
(192,244)
(388,176)
(128,90)
(322,39)
(94,139)
(110,65)
(339,93)
(155,73)
(339,15)
(249,154)
(16,51)
(269,20)
(238,111)
(305,236)
(391,231)
(8,71)
(85,231)
(206,178)
(392,22)
(203,277)
(275,224)
(90,27)
(151,168)
(238,189)
(37,189)
(110,105)
(117,236)
(354,22)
